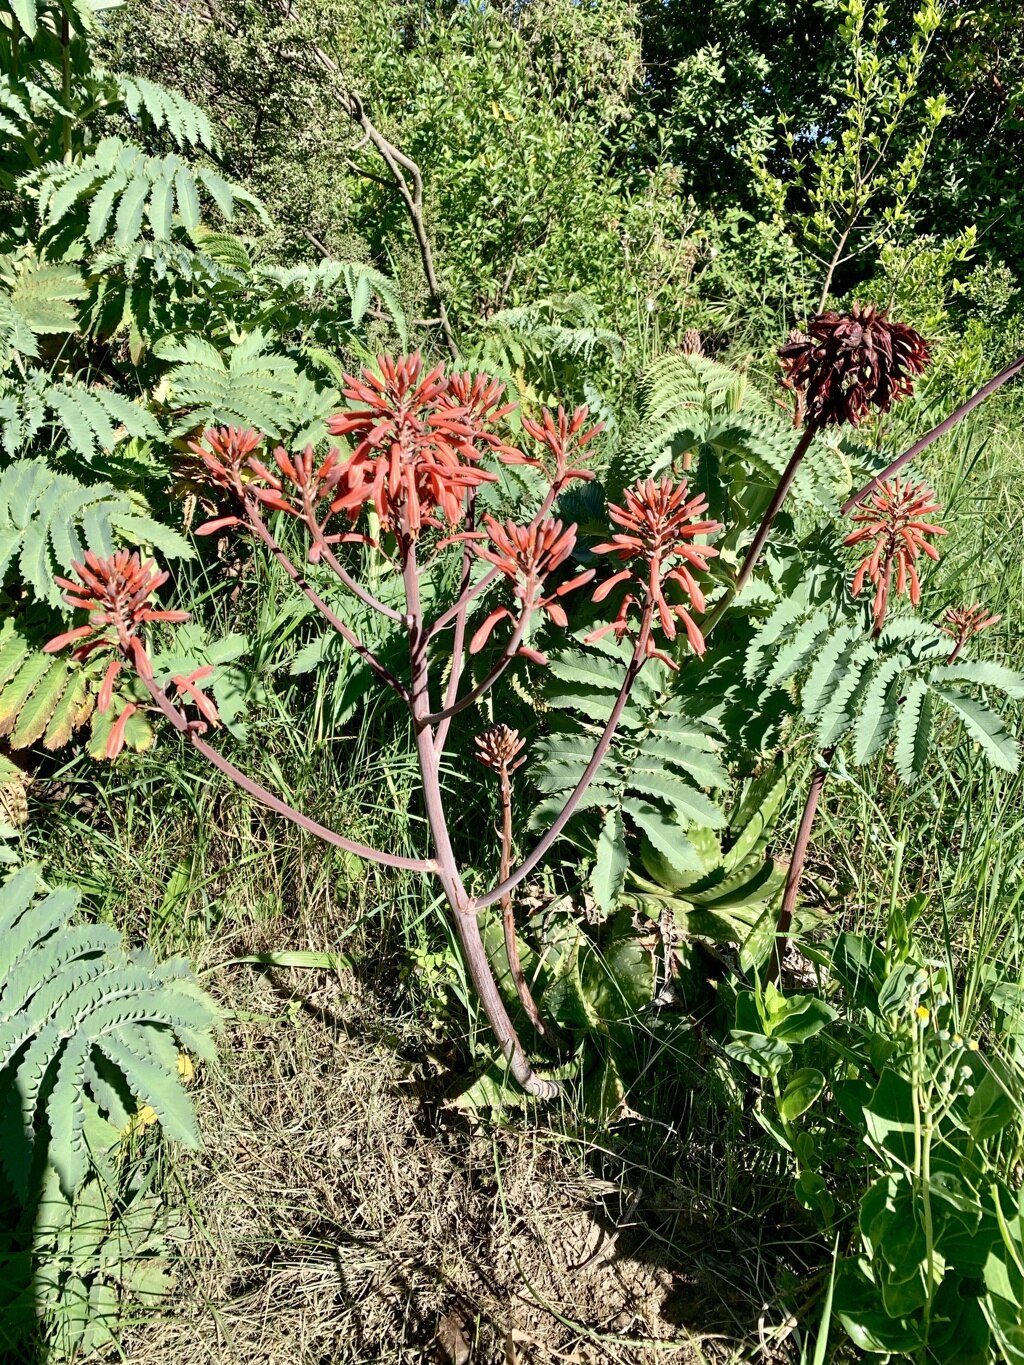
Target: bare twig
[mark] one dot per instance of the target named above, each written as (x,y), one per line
(404,171)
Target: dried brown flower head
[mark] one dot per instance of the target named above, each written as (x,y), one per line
(850,363)
(499,747)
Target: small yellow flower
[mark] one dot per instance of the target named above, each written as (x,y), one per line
(138,1122)
(972,1046)
(957,1040)
(923,1014)
(185,1068)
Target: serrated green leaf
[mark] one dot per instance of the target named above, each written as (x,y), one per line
(37,711)
(611,862)
(913,731)
(690,804)
(984,726)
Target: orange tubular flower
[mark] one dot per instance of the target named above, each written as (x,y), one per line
(312,481)
(477,399)
(225,452)
(527,555)
(894,519)
(416,452)
(115,591)
(660,523)
(561,437)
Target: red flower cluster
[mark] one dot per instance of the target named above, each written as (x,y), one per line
(660,523)
(563,438)
(226,455)
(416,454)
(115,591)
(420,438)
(850,363)
(895,520)
(478,399)
(527,555)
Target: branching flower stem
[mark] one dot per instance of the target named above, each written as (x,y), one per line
(263,532)
(272,802)
(636,663)
(444,721)
(467,924)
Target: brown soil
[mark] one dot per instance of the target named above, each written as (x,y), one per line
(341,1213)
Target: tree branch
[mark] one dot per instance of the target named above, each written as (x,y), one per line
(403,170)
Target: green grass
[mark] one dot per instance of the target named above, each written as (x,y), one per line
(697,1205)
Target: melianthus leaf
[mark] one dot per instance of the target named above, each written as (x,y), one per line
(985,727)
(611,862)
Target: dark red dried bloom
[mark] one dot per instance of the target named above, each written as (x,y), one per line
(563,438)
(499,748)
(415,455)
(964,622)
(850,363)
(895,519)
(660,523)
(527,555)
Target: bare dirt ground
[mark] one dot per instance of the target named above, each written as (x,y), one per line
(339,1213)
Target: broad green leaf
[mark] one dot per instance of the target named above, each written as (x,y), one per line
(762,1055)
(803,1089)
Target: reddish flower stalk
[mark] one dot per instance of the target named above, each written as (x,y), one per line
(419,442)
(499,749)
(896,525)
(842,367)
(963,623)
(937,432)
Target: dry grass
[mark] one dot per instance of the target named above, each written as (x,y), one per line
(340,1213)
